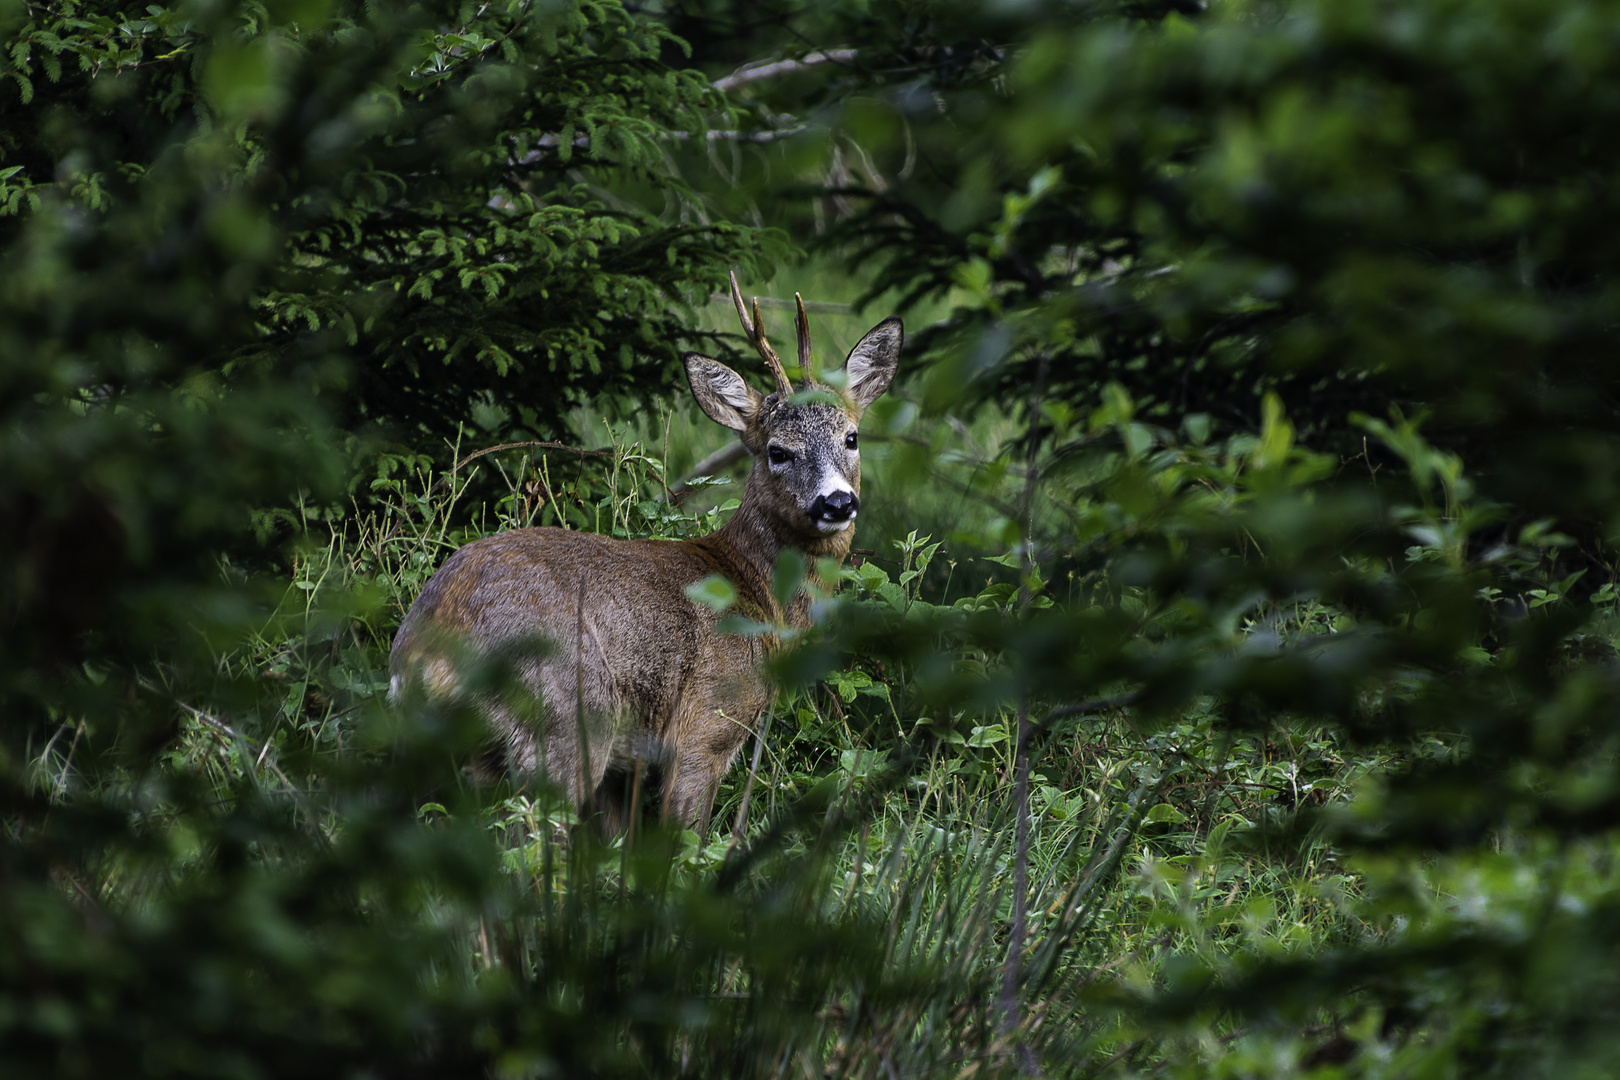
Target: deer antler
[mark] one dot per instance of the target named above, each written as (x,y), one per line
(755,329)
(801,323)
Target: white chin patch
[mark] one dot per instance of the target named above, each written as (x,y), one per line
(829,527)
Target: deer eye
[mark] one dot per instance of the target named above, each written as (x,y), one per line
(778,456)
(850,441)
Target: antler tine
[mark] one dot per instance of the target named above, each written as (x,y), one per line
(801,323)
(742,309)
(755,329)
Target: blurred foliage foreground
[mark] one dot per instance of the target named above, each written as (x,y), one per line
(1234,757)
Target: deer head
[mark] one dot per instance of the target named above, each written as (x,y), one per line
(805,442)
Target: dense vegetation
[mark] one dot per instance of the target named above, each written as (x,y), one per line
(1227,682)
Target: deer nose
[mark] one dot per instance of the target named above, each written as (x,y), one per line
(839,506)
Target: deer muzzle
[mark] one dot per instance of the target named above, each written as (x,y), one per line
(834,512)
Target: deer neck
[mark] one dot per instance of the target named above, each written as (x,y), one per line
(750,543)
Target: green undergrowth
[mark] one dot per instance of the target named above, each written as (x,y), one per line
(909,827)
(849,911)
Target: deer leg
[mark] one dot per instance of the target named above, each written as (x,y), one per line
(585,723)
(689,794)
(612,804)
(618,798)
(704,749)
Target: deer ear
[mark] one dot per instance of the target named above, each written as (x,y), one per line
(872,362)
(721,393)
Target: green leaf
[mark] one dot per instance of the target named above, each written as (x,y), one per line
(787,579)
(713,592)
(988,735)
(1164,813)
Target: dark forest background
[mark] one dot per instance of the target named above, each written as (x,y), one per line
(1226,683)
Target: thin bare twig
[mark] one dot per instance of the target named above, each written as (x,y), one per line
(754,72)
(224,731)
(769,135)
(551,141)
(1063,712)
(722,458)
(543,443)
(443,481)
(738,827)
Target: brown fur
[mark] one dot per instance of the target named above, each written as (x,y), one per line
(601,630)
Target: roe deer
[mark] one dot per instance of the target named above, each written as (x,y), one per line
(632,670)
